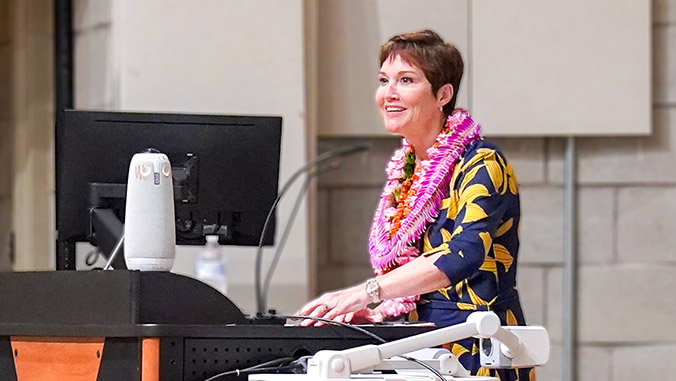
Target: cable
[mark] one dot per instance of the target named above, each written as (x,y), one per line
(426,366)
(319,170)
(329,321)
(370,334)
(282,241)
(342,151)
(116,250)
(266,366)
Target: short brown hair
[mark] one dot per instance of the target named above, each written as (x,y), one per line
(440,61)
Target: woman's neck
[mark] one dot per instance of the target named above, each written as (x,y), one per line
(421,142)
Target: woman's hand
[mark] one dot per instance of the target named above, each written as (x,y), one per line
(366,316)
(339,305)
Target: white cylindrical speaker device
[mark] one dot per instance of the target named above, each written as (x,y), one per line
(150,228)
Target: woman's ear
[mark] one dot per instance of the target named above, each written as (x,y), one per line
(445,94)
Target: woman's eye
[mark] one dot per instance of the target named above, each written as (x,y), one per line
(406,80)
(382,80)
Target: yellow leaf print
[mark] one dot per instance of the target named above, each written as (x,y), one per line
(487,240)
(503,256)
(476,299)
(486,152)
(461,163)
(511,319)
(445,235)
(483,372)
(450,204)
(466,306)
(475,159)
(458,289)
(504,228)
(489,265)
(458,350)
(473,212)
(475,349)
(469,176)
(452,211)
(444,292)
(427,246)
(471,193)
(513,186)
(413,316)
(456,172)
(495,173)
(501,160)
(443,248)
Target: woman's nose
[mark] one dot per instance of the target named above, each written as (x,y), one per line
(391,92)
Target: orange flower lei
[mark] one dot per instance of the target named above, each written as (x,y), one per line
(403,198)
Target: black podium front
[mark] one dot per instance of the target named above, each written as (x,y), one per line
(132,325)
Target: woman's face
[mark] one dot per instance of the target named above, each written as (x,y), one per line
(405,99)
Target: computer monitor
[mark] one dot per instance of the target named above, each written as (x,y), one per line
(225,172)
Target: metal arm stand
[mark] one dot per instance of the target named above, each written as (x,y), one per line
(523,350)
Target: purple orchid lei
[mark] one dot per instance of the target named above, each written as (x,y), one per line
(430,185)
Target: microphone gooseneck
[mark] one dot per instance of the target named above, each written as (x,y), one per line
(309,167)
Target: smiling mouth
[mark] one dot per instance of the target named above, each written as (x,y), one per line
(394,109)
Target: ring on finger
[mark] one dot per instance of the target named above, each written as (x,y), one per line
(324,307)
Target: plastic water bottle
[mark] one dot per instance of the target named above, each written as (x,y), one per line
(211,267)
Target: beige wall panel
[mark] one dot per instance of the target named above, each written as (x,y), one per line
(33,110)
(593,364)
(644,362)
(94,69)
(350,35)
(223,57)
(91,14)
(664,65)
(546,67)
(617,305)
(621,160)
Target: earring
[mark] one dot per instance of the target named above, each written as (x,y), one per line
(441,109)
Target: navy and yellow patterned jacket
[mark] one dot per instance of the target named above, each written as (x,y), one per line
(477,232)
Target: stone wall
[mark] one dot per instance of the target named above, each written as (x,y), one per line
(626,200)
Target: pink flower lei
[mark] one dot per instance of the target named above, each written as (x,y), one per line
(392,246)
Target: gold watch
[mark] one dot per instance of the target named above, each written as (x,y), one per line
(373,290)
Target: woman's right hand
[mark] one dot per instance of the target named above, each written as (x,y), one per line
(365,316)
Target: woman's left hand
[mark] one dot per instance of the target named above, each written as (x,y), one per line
(339,305)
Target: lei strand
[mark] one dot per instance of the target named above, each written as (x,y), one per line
(412,198)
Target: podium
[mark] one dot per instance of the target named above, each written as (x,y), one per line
(132,325)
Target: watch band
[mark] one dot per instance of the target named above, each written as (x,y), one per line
(373,290)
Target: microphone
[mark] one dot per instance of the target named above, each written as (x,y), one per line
(311,167)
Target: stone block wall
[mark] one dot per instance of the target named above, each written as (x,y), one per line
(626,240)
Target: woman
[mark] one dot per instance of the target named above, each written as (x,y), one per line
(444,239)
